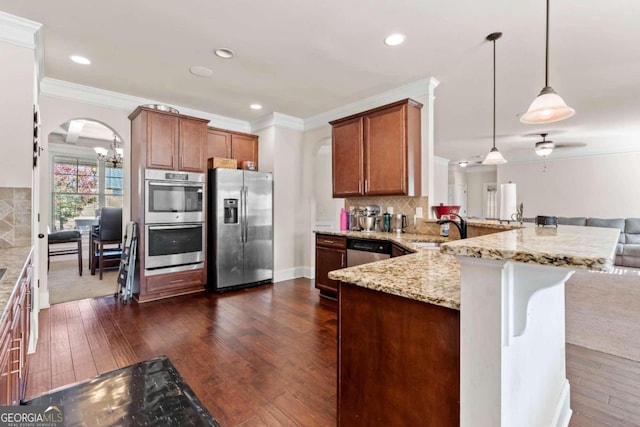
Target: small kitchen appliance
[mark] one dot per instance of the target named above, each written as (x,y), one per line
(369,218)
(398,223)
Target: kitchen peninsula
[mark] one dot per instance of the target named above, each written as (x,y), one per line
(472,334)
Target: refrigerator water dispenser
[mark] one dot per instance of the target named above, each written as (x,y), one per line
(230,211)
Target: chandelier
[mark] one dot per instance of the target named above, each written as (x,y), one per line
(114,156)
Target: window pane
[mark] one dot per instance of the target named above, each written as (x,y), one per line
(75,188)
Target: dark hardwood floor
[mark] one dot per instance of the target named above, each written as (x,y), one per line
(264,356)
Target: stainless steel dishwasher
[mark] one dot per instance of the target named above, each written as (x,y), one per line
(361,251)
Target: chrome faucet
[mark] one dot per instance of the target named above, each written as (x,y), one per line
(461,225)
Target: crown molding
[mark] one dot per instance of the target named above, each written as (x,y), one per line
(277,120)
(19,31)
(420,88)
(118,101)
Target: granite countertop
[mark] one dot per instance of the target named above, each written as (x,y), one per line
(13,259)
(405,240)
(427,276)
(488,223)
(588,248)
(434,276)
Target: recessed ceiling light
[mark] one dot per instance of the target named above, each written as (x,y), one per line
(395,39)
(224,53)
(201,71)
(80,59)
(256,107)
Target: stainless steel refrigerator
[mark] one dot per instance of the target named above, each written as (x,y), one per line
(239,229)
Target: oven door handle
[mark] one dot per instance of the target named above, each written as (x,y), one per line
(176,184)
(172,227)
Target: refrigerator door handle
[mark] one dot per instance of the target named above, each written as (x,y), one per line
(241,214)
(244,215)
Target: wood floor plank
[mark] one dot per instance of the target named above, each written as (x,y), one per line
(264,356)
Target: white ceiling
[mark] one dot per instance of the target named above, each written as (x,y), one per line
(304,58)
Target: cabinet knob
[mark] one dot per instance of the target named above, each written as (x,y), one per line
(40,236)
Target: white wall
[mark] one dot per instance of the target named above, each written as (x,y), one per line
(475,189)
(440,182)
(17,74)
(598,186)
(281,152)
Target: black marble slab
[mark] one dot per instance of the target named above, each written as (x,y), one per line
(149,393)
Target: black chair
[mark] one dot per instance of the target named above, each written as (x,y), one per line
(105,241)
(65,236)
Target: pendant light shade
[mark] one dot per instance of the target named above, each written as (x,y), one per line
(494,157)
(548,107)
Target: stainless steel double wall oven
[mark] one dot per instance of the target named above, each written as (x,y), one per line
(174,221)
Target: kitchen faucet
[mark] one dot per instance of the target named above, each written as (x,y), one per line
(461,225)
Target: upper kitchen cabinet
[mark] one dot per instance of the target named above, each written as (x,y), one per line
(172,141)
(377,152)
(232,145)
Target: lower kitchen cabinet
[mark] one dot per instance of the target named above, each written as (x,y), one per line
(14,340)
(172,284)
(331,254)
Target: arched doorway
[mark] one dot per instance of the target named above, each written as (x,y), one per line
(85,173)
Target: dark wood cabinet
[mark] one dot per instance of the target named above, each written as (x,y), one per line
(14,340)
(163,140)
(398,361)
(191,148)
(171,141)
(331,254)
(218,143)
(347,158)
(232,145)
(377,152)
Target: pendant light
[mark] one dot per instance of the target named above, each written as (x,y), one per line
(494,157)
(548,107)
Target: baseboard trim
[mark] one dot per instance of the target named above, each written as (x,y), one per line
(292,273)
(44,299)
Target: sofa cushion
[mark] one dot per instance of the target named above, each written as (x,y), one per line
(572,220)
(629,261)
(619,249)
(631,250)
(618,223)
(632,230)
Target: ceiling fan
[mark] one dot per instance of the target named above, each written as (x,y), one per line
(545,147)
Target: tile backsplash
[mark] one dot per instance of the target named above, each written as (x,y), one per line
(401,205)
(15,217)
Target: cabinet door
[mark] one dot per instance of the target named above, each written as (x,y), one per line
(327,260)
(244,147)
(386,152)
(193,136)
(218,144)
(347,158)
(162,140)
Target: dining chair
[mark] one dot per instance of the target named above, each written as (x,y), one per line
(105,241)
(61,237)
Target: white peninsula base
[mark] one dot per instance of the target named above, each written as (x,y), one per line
(512,344)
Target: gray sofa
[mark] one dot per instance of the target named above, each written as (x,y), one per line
(628,249)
